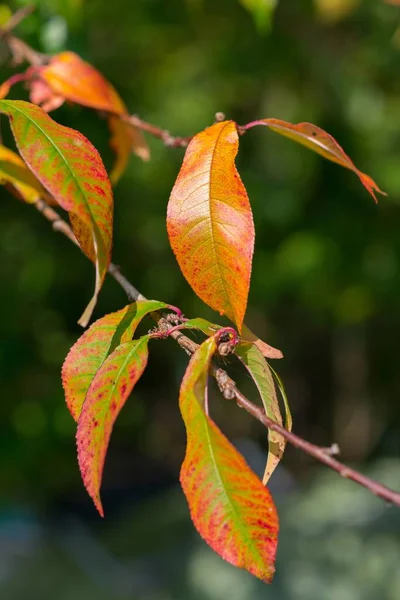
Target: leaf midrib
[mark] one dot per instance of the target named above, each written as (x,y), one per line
(212,219)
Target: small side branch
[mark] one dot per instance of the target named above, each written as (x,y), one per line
(161,134)
(227,386)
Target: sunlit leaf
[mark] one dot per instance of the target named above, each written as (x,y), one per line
(4,89)
(332,11)
(91,350)
(71,170)
(76,80)
(260,372)
(210,223)
(5,14)
(106,396)
(229,506)
(14,171)
(262,12)
(266,350)
(317,139)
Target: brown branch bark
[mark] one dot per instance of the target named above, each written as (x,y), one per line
(226,385)
(161,134)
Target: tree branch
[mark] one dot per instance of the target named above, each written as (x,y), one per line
(161,134)
(226,385)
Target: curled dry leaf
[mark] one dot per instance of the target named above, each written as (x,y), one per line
(230,508)
(91,350)
(266,350)
(210,223)
(71,170)
(320,141)
(70,77)
(106,396)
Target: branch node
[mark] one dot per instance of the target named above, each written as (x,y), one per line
(332,450)
(226,385)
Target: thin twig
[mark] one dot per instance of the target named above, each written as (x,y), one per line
(319,453)
(16,19)
(162,134)
(227,386)
(20,50)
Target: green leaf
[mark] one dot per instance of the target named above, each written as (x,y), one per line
(262,12)
(229,506)
(91,350)
(257,366)
(107,394)
(71,170)
(288,414)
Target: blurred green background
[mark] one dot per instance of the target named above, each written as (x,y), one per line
(325,289)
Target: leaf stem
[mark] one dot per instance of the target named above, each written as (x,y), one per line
(226,385)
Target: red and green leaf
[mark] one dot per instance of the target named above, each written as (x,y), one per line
(229,506)
(91,350)
(71,170)
(210,223)
(319,141)
(107,394)
(258,368)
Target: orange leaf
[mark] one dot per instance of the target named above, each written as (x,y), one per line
(230,508)
(317,139)
(4,89)
(77,81)
(210,223)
